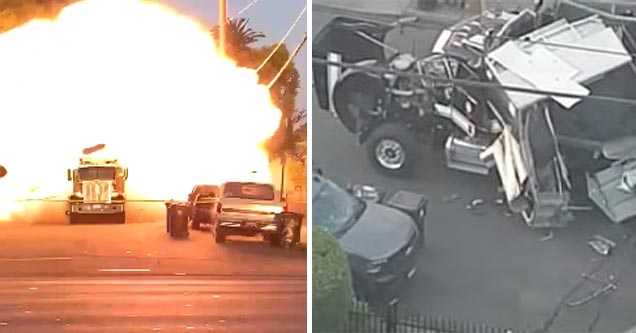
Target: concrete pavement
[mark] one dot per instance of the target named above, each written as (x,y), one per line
(152,305)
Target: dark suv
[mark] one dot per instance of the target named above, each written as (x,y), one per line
(379,233)
(204,200)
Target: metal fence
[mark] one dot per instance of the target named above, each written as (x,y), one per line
(363,320)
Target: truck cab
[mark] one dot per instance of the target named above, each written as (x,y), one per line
(98,190)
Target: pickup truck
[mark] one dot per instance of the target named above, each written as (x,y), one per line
(203,200)
(249,209)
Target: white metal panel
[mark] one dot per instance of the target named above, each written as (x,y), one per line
(545,67)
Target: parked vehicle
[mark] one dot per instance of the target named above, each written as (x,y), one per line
(249,209)
(380,233)
(204,200)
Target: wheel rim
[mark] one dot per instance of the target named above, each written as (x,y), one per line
(390,154)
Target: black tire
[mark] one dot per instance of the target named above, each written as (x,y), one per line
(196,224)
(275,240)
(74,218)
(120,218)
(400,137)
(220,235)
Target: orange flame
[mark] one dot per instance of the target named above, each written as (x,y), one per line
(138,77)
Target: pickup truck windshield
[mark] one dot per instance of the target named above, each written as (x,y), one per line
(250,191)
(335,209)
(92,173)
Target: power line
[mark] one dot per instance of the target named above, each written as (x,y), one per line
(477,84)
(283,39)
(289,60)
(246,7)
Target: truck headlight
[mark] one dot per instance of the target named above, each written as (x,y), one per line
(375,266)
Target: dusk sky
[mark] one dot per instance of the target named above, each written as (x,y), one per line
(272,17)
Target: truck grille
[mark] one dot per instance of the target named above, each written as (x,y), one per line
(97,191)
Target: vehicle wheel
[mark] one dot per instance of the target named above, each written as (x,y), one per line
(275,240)
(359,291)
(120,218)
(196,224)
(393,149)
(219,235)
(74,218)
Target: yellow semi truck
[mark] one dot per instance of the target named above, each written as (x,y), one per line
(98,191)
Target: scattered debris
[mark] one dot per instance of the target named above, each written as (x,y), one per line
(610,287)
(592,278)
(451,198)
(474,204)
(507,213)
(606,240)
(548,237)
(499,201)
(600,247)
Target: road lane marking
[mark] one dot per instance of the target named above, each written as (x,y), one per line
(124,270)
(36,259)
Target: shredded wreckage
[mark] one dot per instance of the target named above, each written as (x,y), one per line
(575,51)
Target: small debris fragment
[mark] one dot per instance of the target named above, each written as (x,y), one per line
(4,324)
(221,320)
(451,198)
(190,327)
(476,202)
(28,312)
(58,319)
(216,296)
(188,305)
(499,201)
(507,213)
(610,287)
(128,252)
(606,240)
(600,247)
(548,237)
(33,288)
(156,328)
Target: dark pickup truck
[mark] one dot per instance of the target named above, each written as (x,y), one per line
(203,200)
(380,234)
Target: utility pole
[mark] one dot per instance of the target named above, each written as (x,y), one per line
(222,26)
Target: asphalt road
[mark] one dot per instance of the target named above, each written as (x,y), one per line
(135,278)
(153,305)
(482,265)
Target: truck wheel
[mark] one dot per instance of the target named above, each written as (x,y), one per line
(196,224)
(393,149)
(74,218)
(120,218)
(219,235)
(274,240)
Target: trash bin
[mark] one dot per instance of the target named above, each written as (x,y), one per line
(177,220)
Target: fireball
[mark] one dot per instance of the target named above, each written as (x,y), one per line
(143,80)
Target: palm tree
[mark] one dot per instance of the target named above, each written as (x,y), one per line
(238,37)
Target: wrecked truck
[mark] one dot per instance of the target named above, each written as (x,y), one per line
(397,103)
